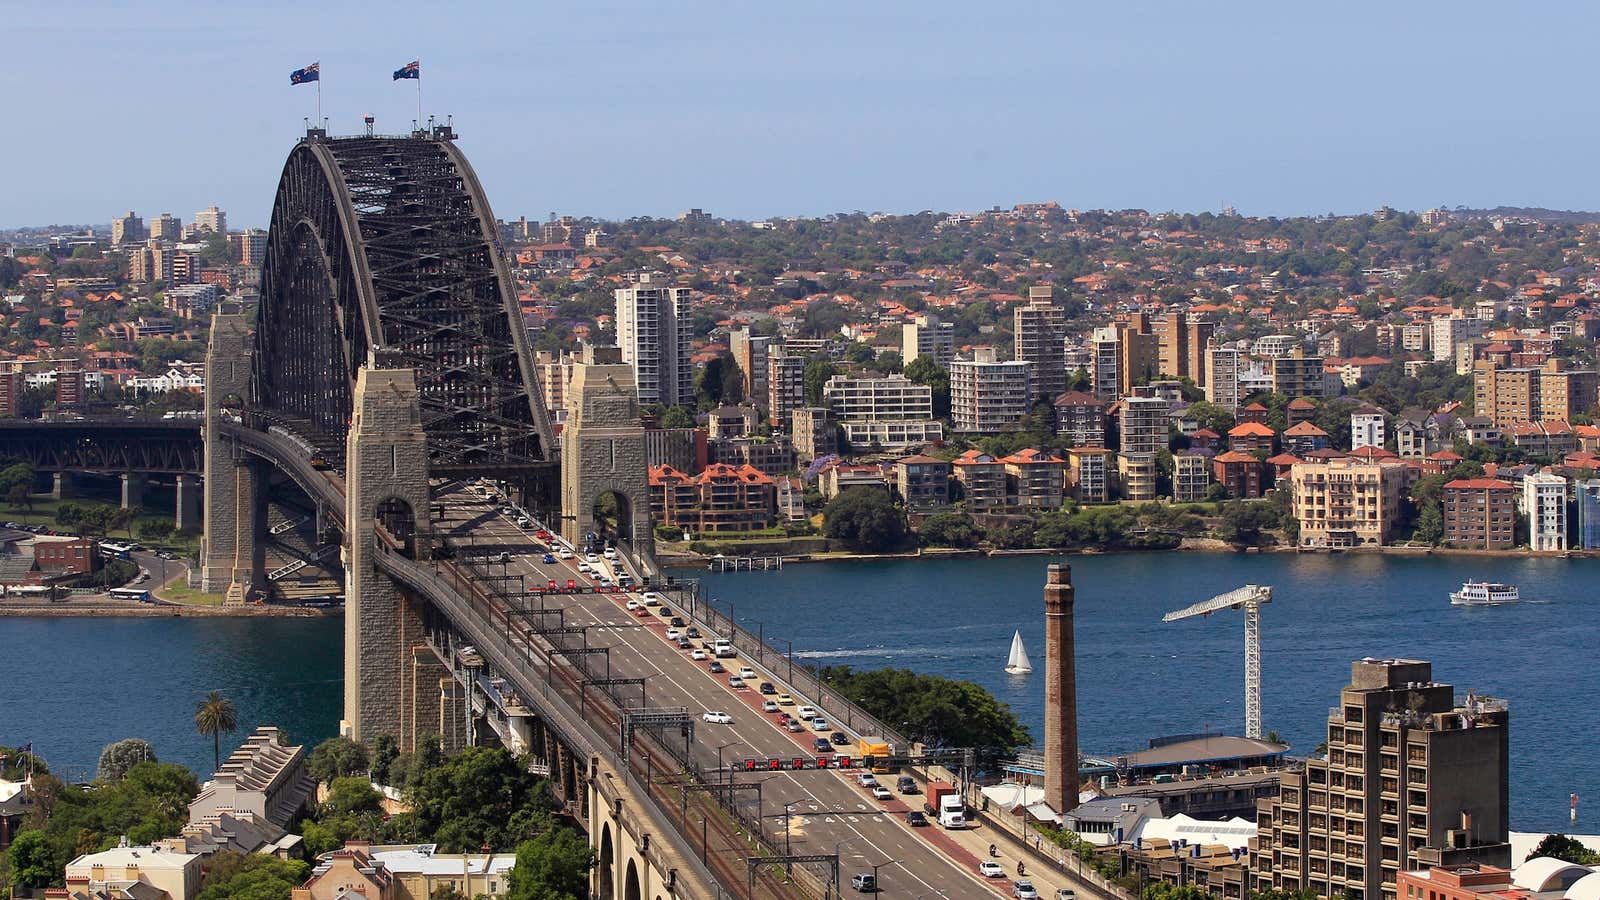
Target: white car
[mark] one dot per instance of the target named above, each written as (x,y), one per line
(697,655)
(522,521)
(865,779)
(564,553)
(717,717)
(633,605)
(590,557)
(988,868)
(735,682)
(603,580)
(673,634)
(881,793)
(769,706)
(651,598)
(747,673)
(611,553)
(585,569)
(807,712)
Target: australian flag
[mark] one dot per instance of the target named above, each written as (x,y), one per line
(308,74)
(411,69)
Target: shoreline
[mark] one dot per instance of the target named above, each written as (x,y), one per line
(133,609)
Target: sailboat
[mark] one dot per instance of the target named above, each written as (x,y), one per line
(1018,663)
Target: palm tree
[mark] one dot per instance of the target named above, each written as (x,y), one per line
(213,716)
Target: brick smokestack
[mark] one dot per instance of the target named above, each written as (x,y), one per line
(1060,693)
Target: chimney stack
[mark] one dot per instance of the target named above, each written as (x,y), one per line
(1060,694)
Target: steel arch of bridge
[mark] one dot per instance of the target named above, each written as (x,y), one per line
(383,250)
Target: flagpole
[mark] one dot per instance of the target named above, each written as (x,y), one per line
(319,93)
(419,92)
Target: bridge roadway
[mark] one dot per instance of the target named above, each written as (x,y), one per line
(827,808)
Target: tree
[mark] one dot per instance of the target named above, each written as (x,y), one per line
(20,497)
(352,795)
(255,876)
(552,866)
(949,529)
(818,371)
(336,757)
(677,417)
(940,712)
(1559,846)
(116,759)
(478,796)
(925,370)
(216,714)
(864,518)
(33,864)
(384,752)
(1430,525)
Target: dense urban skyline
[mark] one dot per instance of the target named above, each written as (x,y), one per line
(621,110)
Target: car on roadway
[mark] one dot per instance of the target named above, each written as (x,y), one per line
(584,569)
(735,682)
(785,700)
(866,780)
(673,634)
(166,554)
(882,793)
(564,553)
(747,673)
(905,784)
(991,869)
(590,557)
(916,819)
(677,622)
(768,706)
(864,882)
(839,738)
(807,711)
(717,717)
(1023,889)
(683,643)
(1066,894)
(611,553)
(633,604)
(768,688)
(602,580)
(697,655)
(692,631)
(793,726)
(549,559)
(652,598)
(820,725)
(522,522)
(821,745)
(715,668)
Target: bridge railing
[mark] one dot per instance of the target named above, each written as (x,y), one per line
(469,592)
(805,679)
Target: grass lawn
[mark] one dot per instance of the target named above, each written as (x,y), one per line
(179,592)
(44,513)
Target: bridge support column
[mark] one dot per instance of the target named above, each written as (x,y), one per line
(187,511)
(133,484)
(60,485)
(454,715)
(603,450)
(229,552)
(428,679)
(386,482)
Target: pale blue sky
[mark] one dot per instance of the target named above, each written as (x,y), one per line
(761,109)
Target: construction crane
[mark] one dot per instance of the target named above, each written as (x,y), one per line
(1249,598)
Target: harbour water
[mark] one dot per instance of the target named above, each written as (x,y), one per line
(72,685)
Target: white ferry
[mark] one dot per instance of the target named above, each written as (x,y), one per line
(1484,593)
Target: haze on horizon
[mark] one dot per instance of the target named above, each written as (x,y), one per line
(615,109)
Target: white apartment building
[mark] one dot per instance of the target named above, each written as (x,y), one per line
(1106,361)
(1145,423)
(927,336)
(892,433)
(885,398)
(1222,377)
(653,332)
(1544,499)
(1450,331)
(1273,346)
(1366,430)
(210,219)
(1414,337)
(987,396)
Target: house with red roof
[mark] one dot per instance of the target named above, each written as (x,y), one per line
(722,498)
(1240,473)
(1249,436)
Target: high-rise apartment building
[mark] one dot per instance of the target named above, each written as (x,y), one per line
(128,229)
(1411,778)
(1366,429)
(1544,500)
(211,219)
(1586,532)
(1349,502)
(1564,393)
(1091,473)
(1081,418)
(1124,355)
(554,370)
(786,384)
(11,388)
(1296,374)
(1479,514)
(812,432)
(927,336)
(750,354)
(1222,377)
(1447,332)
(861,399)
(166,227)
(988,396)
(1038,329)
(1191,476)
(1507,396)
(1144,422)
(1104,360)
(653,332)
(1181,347)
(252,247)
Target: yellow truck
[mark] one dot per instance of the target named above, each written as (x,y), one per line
(879,750)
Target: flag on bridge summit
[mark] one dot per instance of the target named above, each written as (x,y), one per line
(309,73)
(411,69)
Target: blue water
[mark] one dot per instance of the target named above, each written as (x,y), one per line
(72,685)
(1139,678)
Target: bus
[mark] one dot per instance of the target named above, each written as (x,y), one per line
(120,551)
(139,594)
